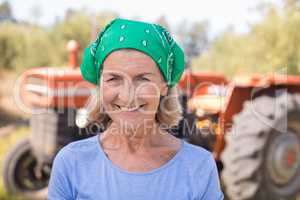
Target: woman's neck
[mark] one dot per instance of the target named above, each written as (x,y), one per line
(132,138)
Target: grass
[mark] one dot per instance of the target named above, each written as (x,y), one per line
(6,143)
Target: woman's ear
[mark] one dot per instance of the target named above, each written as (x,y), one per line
(164,90)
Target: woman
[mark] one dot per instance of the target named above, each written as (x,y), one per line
(136,66)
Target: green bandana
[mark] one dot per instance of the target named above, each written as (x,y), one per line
(151,39)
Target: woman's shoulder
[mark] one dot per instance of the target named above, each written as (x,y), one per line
(83,144)
(84,148)
(196,157)
(196,152)
(202,170)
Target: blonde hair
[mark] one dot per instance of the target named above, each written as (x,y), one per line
(169,111)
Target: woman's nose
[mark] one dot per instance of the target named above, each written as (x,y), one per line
(126,93)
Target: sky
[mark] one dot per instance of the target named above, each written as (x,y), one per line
(219,13)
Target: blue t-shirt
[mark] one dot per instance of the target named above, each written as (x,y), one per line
(82,171)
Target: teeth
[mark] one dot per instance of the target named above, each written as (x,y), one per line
(129,109)
(125,109)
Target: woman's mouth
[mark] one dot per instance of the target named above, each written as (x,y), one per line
(129,109)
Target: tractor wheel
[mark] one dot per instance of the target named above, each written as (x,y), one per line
(19,173)
(262,154)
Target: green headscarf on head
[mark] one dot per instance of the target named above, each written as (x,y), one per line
(151,39)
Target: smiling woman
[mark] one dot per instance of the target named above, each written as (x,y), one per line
(135,66)
(134,88)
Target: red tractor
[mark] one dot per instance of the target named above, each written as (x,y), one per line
(252,126)
(52,95)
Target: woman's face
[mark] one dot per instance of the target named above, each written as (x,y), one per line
(131,86)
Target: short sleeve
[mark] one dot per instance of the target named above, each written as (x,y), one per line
(60,187)
(213,188)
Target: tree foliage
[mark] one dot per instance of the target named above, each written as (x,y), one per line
(12,44)
(193,37)
(5,10)
(24,45)
(272,45)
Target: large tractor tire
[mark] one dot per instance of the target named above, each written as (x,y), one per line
(19,173)
(262,154)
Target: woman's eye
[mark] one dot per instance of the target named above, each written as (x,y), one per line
(112,79)
(143,79)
